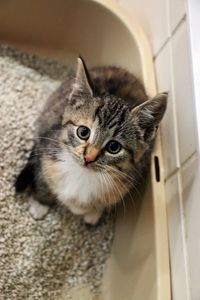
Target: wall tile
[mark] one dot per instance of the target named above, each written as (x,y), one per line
(177,10)
(183,93)
(152,16)
(193,20)
(168,127)
(191,204)
(176,240)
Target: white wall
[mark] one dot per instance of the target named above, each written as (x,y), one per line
(194,24)
(165,23)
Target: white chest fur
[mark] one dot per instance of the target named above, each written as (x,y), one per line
(75,183)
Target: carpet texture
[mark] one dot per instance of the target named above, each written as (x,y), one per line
(45,259)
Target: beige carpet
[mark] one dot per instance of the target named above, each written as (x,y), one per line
(39,259)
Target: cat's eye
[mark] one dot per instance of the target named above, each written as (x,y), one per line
(83,132)
(113,147)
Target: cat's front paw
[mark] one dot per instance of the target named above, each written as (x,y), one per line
(37,210)
(93,217)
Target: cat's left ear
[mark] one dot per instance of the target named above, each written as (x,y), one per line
(83,83)
(148,115)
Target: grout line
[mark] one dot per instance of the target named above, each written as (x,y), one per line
(182,20)
(173,173)
(161,48)
(176,171)
(166,4)
(188,159)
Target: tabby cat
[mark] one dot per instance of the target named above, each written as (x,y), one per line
(93,138)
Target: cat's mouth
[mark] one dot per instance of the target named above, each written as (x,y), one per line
(90,165)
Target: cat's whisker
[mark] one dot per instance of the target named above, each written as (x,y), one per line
(131,178)
(127,191)
(119,172)
(123,175)
(113,184)
(104,185)
(115,188)
(121,196)
(107,180)
(130,182)
(47,148)
(109,184)
(47,138)
(103,182)
(49,155)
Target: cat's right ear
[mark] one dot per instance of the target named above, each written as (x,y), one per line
(83,83)
(147,116)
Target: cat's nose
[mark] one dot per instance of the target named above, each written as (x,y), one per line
(88,158)
(91,154)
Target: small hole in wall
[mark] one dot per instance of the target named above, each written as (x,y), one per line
(157,168)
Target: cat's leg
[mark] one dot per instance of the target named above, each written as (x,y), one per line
(77,210)
(40,199)
(26,176)
(93,217)
(36,209)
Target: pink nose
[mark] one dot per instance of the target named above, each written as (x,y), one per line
(89,158)
(91,154)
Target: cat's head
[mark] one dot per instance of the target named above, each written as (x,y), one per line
(106,136)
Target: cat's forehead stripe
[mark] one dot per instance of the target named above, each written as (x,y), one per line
(111,114)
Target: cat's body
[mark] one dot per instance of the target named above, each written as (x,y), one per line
(93,137)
